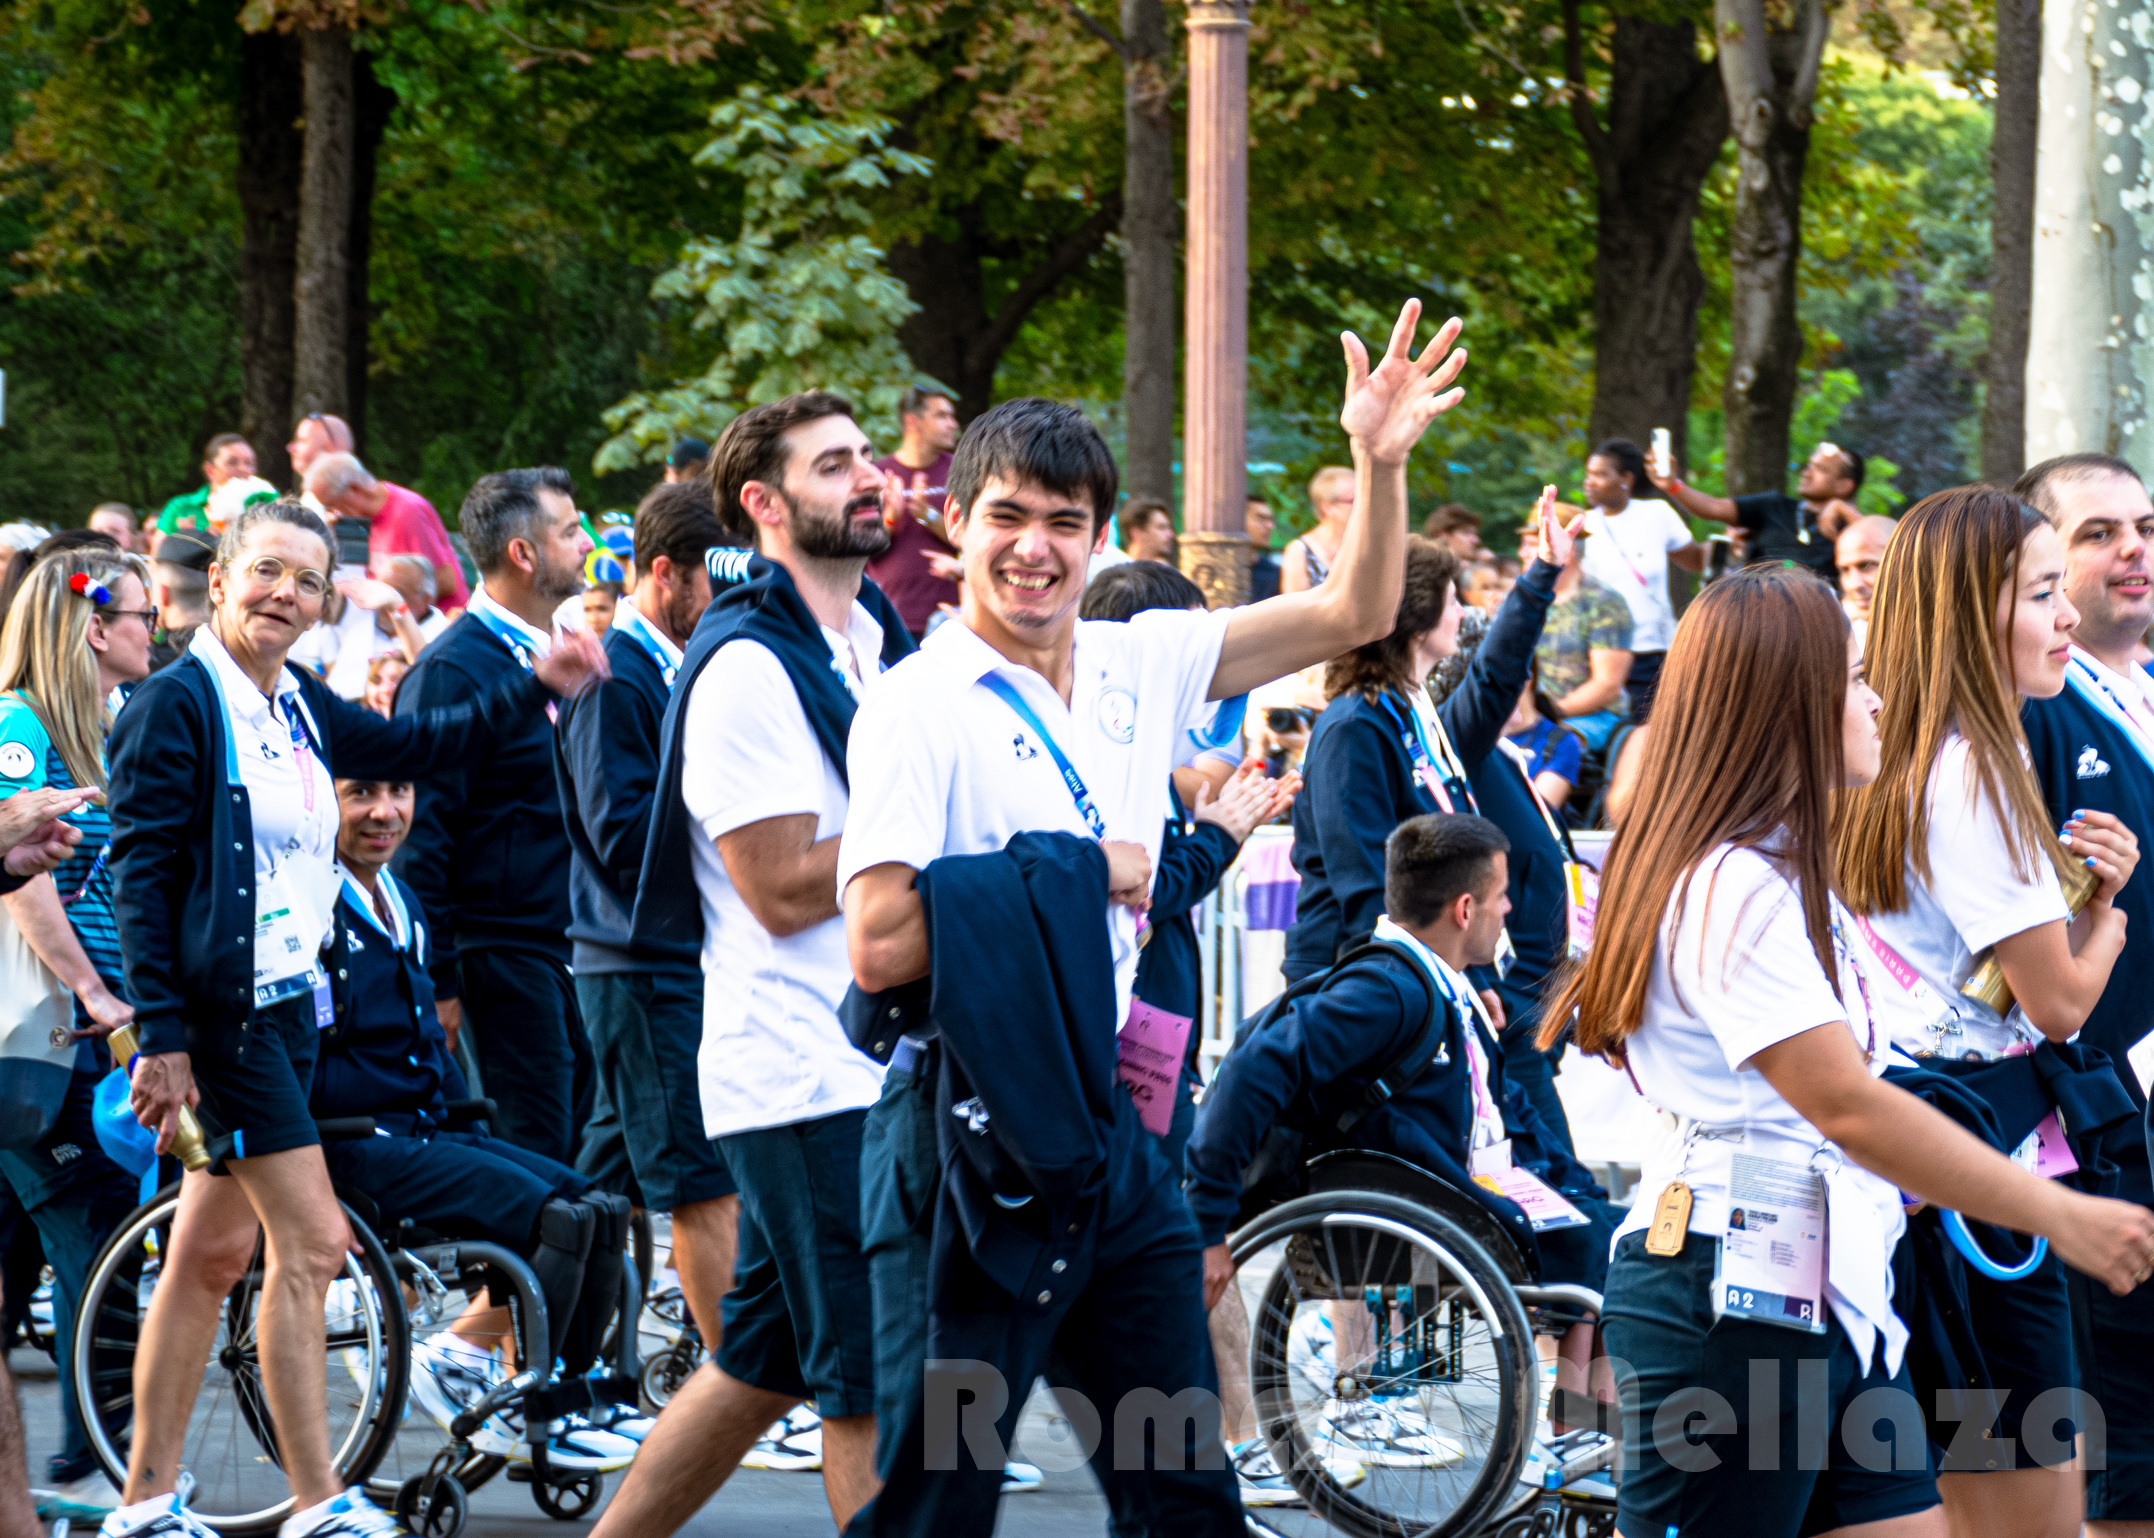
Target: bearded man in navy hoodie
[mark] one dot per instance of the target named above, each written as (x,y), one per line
(489,854)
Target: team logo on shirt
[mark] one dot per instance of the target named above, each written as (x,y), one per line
(1023,748)
(1118,715)
(16,760)
(2092,766)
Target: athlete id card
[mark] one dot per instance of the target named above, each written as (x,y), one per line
(1772,1257)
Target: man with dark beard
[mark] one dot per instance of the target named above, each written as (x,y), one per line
(488,854)
(742,862)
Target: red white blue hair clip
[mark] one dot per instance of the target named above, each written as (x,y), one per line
(82,587)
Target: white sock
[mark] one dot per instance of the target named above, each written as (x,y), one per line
(300,1523)
(142,1511)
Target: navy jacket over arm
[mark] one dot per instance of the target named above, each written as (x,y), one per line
(605,764)
(1192,859)
(183,840)
(1360,782)
(488,852)
(757,601)
(1539,892)
(2086,762)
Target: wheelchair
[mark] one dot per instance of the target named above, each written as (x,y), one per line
(1396,1315)
(390,1295)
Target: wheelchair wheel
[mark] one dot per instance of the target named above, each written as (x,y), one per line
(1391,1364)
(231,1447)
(437,1514)
(567,1502)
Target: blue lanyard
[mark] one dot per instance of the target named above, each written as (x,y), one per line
(638,629)
(295,711)
(1007,693)
(500,632)
(1225,727)
(1417,750)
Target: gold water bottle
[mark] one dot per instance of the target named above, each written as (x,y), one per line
(188,1145)
(1987,985)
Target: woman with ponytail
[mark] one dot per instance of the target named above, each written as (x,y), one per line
(1951,857)
(1729,981)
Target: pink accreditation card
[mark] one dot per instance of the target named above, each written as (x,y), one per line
(1544,1206)
(1150,1050)
(2045,1151)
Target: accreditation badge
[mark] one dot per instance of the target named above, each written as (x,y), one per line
(1772,1257)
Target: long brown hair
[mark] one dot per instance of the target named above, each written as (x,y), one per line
(1744,749)
(1387,665)
(1937,658)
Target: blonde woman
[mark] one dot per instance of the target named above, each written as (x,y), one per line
(79,629)
(1306,561)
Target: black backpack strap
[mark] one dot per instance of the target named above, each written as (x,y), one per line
(1426,1049)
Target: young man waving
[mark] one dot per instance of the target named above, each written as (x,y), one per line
(1020,720)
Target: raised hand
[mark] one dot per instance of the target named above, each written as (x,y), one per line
(1389,407)
(1552,535)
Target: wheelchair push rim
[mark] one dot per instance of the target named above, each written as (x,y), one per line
(1423,1430)
(230,1447)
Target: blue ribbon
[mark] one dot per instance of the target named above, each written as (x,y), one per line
(1006,691)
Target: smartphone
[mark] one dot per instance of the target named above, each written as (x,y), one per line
(1718,549)
(1663,454)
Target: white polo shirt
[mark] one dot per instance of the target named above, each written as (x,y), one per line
(1629,553)
(773,1052)
(1973,899)
(942,765)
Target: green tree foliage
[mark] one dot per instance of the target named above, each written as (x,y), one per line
(798,297)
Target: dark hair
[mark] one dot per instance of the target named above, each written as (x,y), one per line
(611,589)
(221,441)
(1629,460)
(689,451)
(1387,664)
(2040,485)
(503,506)
(915,399)
(1041,442)
(1136,515)
(675,519)
(1134,586)
(1432,860)
(1449,519)
(73,539)
(1857,466)
(752,448)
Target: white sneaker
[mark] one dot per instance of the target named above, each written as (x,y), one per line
(1263,1483)
(350,1515)
(166,1516)
(1386,1436)
(575,1446)
(1021,1478)
(449,1375)
(1308,1351)
(623,1421)
(791,1446)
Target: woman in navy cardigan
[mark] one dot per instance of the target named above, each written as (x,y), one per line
(1380,753)
(224,819)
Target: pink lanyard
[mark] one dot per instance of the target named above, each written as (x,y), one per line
(1645,583)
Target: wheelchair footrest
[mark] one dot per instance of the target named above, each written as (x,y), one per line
(578,1395)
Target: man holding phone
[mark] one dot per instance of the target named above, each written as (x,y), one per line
(1799,529)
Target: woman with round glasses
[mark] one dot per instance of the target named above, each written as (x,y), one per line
(224,811)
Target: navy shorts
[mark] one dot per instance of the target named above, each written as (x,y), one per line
(458,1184)
(2115,1349)
(799,1319)
(254,1082)
(1693,1389)
(644,1029)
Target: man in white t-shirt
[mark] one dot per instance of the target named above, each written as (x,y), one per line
(1018,718)
(755,735)
(1639,536)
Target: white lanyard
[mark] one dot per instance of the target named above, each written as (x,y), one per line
(2103,696)
(398,913)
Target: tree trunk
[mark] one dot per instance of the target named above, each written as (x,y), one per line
(953,338)
(2016,119)
(2090,332)
(1771,79)
(321,378)
(271,147)
(372,103)
(1149,288)
(1667,117)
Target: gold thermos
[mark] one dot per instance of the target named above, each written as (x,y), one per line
(187,1142)
(1987,985)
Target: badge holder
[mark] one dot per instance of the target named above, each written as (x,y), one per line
(1771,1268)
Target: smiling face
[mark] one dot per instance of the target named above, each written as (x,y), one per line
(262,611)
(1825,475)
(1859,743)
(376,814)
(2035,619)
(235,461)
(2107,523)
(1025,551)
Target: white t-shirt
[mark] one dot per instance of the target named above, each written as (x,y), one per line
(291,797)
(1735,975)
(1629,553)
(2127,698)
(1973,899)
(942,765)
(773,1052)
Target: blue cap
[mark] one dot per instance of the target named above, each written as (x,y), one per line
(126,1142)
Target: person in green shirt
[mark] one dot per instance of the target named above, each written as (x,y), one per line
(1584,654)
(228,457)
